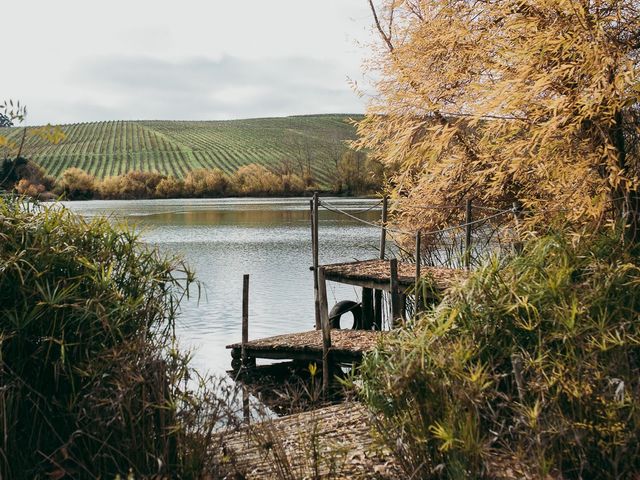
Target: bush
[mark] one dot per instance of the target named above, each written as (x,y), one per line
(34,190)
(206,183)
(170,187)
(111,188)
(358,174)
(139,184)
(132,185)
(254,179)
(91,383)
(292,184)
(533,365)
(26,177)
(76,184)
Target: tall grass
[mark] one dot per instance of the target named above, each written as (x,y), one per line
(92,382)
(532,366)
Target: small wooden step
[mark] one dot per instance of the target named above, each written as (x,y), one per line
(346,345)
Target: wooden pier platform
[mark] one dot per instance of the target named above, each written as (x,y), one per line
(376,274)
(339,437)
(346,345)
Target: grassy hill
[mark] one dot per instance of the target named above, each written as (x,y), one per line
(175,147)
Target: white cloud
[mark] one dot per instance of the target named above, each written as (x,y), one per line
(82,61)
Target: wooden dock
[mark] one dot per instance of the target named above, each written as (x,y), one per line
(340,438)
(346,346)
(376,274)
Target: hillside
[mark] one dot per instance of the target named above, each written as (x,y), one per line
(175,147)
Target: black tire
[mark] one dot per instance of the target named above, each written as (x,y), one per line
(343,307)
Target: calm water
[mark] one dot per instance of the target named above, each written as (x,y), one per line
(222,239)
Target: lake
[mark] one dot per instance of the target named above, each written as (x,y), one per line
(270,239)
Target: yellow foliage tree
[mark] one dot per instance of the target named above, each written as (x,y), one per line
(254,179)
(206,183)
(530,100)
(76,184)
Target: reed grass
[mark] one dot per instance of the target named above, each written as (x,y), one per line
(528,370)
(92,383)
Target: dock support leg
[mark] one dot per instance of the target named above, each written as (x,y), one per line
(367,309)
(377,310)
(315,203)
(377,321)
(326,333)
(396,302)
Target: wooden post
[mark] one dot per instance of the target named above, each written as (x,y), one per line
(315,252)
(418,300)
(517,215)
(383,232)
(468,218)
(377,307)
(326,332)
(245,318)
(367,309)
(246,410)
(396,303)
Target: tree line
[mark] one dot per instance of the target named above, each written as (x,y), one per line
(355,174)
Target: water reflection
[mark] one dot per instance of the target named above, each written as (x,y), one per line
(224,238)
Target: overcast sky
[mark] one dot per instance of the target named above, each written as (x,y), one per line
(82,60)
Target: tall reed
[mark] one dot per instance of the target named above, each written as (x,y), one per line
(92,382)
(532,366)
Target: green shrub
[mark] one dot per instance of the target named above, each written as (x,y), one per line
(533,364)
(91,383)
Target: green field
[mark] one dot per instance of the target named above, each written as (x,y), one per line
(175,147)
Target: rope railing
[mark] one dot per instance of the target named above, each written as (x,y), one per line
(335,209)
(438,234)
(447,207)
(485,207)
